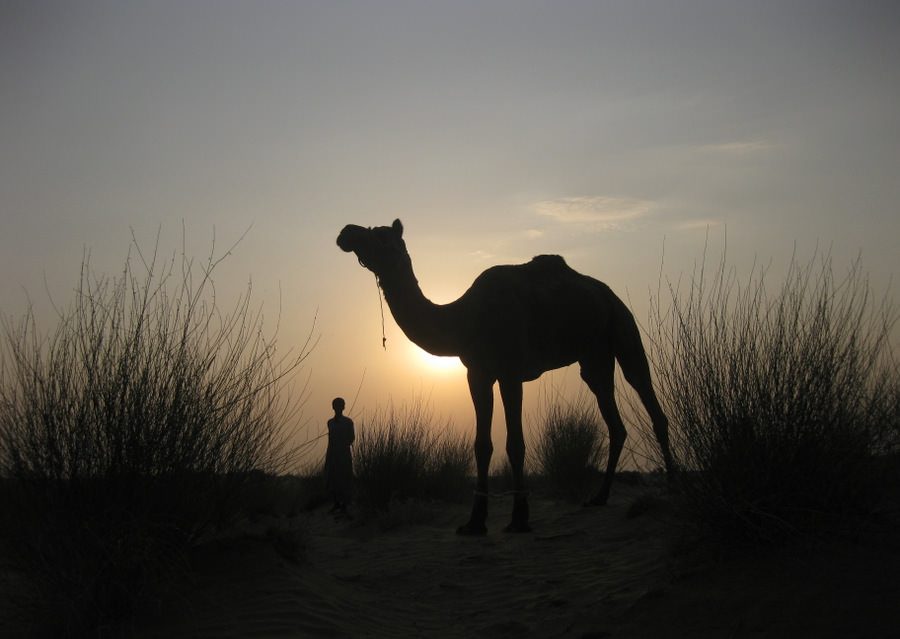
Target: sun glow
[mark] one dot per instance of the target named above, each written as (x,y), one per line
(435,363)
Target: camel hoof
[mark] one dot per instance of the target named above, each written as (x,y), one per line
(471,530)
(517,527)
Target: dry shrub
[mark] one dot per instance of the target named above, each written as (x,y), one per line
(780,403)
(449,467)
(129,430)
(570,447)
(399,454)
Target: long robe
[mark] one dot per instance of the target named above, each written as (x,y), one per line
(338,459)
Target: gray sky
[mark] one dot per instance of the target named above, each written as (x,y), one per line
(602,131)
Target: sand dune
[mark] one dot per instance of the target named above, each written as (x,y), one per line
(582,573)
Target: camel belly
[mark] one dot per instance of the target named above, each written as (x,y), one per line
(506,358)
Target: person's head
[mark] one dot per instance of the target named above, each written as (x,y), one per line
(338,404)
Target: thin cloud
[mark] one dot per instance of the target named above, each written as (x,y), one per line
(534,234)
(737,148)
(698,223)
(594,209)
(482,256)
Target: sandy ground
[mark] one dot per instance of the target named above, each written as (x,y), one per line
(586,573)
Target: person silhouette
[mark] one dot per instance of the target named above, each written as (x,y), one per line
(338,458)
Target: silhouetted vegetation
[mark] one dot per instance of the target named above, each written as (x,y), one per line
(569,448)
(781,403)
(449,468)
(399,454)
(129,431)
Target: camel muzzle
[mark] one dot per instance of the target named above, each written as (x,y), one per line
(351,237)
(343,240)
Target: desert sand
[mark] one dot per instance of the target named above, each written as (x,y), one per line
(623,571)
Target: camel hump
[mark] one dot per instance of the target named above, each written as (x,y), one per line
(549,262)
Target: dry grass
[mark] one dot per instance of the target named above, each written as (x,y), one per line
(780,402)
(400,454)
(569,448)
(130,430)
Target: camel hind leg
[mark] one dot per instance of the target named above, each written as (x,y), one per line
(633,361)
(598,375)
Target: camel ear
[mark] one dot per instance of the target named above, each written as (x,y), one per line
(398,227)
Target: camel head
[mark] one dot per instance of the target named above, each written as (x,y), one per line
(380,249)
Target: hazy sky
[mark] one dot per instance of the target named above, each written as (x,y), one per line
(602,131)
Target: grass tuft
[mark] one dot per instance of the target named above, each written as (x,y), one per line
(400,455)
(570,447)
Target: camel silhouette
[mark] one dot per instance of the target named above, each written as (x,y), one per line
(513,324)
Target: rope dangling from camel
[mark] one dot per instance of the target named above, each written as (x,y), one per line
(381,304)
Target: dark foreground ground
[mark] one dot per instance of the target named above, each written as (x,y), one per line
(628,570)
(625,571)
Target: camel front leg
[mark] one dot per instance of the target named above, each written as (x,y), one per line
(481,387)
(511,392)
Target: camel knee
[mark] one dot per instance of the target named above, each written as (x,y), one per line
(661,430)
(483,447)
(617,437)
(515,449)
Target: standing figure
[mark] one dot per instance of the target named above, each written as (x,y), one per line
(338,459)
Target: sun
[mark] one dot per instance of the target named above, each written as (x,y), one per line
(437,364)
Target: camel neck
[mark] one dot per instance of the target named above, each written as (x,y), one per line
(430,326)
